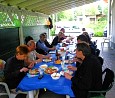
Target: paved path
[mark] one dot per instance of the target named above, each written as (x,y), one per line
(109,61)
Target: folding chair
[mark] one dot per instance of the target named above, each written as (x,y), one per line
(107,85)
(7,90)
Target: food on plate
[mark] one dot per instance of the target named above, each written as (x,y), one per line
(68,61)
(67,71)
(44,66)
(47,60)
(33,71)
(55,76)
(50,70)
(58,61)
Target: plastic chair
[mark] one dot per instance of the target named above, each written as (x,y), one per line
(7,90)
(106,40)
(107,85)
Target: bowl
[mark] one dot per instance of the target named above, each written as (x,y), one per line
(55,76)
(44,66)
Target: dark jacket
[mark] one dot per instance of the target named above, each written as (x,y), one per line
(47,44)
(87,77)
(55,41)
(12,73)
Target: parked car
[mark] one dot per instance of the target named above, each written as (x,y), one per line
(71,28)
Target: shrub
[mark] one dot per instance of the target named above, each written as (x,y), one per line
(98,34)
(52,32)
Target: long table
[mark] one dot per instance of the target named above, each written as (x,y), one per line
(60,86)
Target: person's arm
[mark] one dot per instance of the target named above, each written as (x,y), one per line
(42,46)
(55,41)
(47,44)
(41,56)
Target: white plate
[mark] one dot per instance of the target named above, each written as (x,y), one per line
(29,75)
(44,66)
(47,60)
(55,76)
(67,61)
(68,71)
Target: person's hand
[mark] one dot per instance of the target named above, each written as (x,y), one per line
(68,76)
(39,60)
(48,56)
(77,60)
(72,68)
(31,65)
(53,47)
(24,69)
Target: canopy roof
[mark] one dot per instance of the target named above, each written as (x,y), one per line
(47,7)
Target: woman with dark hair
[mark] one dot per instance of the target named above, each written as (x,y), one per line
(27,39)
(88,76)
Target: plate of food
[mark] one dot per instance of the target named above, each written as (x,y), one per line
(57,61)
(67,71)
(55,76)
(33,71)
(51,70)
(68,61)
(47,60)
(44,66)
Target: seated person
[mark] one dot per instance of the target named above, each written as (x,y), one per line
(46,42)
(83,38)
(63,35)
(2,88)
(41,47)
(88,76)
(2,63)
(93,46)
(57,39)
(15,68)
(33,56)
(27,39)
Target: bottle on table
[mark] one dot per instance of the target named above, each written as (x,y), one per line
(57,55)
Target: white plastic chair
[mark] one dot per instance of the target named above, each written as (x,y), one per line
(7,90)
(106,40)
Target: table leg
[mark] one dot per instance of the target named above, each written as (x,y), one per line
(30,94)
(67,96)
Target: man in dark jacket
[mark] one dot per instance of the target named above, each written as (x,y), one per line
(15,68)
(88,75)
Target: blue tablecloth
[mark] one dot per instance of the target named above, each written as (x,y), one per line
(60,86)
